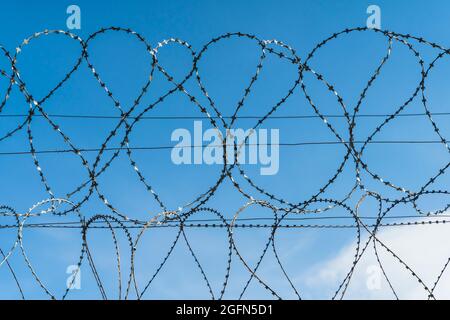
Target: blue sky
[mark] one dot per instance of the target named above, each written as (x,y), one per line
(226,68)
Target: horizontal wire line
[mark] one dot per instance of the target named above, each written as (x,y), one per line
(142,223)
(80,116)
(285,144)
(222,225)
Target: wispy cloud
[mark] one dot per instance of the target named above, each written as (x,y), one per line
(423,248)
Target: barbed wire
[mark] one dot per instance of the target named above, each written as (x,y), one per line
(282,210)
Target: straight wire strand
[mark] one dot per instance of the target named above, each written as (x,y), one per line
(287,117)
(285,144)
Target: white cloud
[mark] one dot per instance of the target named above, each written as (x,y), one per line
(424,248)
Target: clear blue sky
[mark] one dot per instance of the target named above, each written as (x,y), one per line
(124,65)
